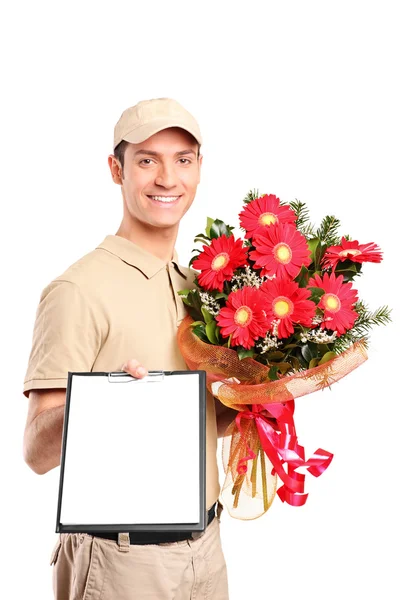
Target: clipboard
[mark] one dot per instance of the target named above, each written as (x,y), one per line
(133,452)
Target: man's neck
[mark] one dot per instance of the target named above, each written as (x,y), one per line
(160,243)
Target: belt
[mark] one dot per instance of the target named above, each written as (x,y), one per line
(156,537)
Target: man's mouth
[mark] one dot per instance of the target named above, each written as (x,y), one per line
(164,199)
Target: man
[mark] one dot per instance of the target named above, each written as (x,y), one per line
(117,308)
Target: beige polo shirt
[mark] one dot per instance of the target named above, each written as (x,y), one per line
(115,303)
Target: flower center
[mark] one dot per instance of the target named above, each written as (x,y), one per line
(243,316)
(267,218)
(282,306)
(352,251)
(282,253)
(220,261)
(331,302)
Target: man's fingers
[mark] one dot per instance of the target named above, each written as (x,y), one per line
(133,367)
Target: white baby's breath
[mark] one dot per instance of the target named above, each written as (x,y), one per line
(275,324)
(319,336)
(210,303)
(249,278)
(267,343)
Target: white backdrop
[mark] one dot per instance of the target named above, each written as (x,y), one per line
(297,99)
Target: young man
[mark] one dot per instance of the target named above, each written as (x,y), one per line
(117,308)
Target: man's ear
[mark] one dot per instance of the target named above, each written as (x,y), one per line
(115,169)
(200,163)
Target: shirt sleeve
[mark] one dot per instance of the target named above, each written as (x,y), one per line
(66,337)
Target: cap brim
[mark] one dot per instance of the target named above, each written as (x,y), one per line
(140,134)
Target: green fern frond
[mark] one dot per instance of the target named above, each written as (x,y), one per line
(308,230)
(303,218)
(327,232)
(302,212)
(366,320)
(252,195)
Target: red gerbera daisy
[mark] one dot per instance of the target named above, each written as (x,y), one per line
(243,316)
(351,250)
(286,301)
(281,250)
(337,302)
(262,212)
(219,260)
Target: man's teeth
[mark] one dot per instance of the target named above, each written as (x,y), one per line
(165,198)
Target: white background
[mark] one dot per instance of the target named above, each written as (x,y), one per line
(298,99)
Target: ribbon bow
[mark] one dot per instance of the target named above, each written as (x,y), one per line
(278,439)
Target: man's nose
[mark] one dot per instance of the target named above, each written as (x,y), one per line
(166,176)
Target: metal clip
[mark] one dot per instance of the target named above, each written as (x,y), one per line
(123,377)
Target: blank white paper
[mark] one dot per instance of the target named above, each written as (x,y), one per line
(132,453)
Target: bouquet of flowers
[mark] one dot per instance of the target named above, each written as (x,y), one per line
(273,316)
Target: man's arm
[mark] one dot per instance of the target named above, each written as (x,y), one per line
(43,429)
(45,422)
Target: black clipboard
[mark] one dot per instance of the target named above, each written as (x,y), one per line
(119,469)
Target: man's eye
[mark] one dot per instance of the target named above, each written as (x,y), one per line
(188,161)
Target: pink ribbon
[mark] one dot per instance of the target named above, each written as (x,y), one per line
(278,439)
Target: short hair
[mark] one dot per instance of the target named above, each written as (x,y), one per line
(119,151)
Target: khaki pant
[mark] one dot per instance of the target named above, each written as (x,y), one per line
(93,568)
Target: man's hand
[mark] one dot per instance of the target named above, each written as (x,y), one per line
(133,367)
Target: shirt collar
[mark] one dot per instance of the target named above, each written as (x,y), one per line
(137,256)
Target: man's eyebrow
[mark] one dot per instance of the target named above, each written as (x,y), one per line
(153,153)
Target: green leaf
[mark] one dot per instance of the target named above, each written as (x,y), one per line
(294,362)
(210,331)
(316,294)
(346,265)
(316,251)
(184,292)
(322,349)
(220,295)
(313,363)
(273,373)
(199,330)
(303,277)
(210,221)
(207,316)
(283,367)
(326,357)
(275,355)
(348,276)
(243,353)
(309,352)
(219,228)
(348,269)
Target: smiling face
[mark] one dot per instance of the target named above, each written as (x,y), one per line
(166,164)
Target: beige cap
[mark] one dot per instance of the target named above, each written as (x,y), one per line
(147,117)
